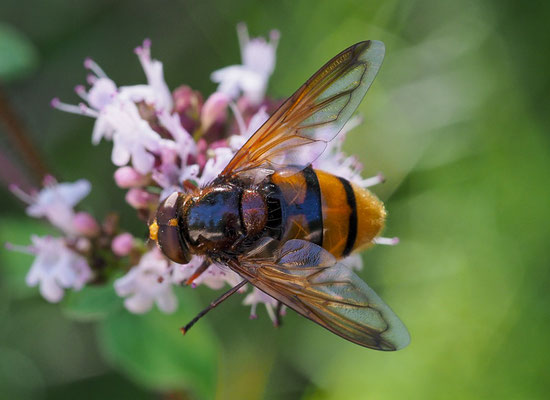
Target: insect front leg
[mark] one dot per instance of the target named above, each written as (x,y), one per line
(198,272)
(280,311)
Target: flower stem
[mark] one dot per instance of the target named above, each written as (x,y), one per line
(18,136)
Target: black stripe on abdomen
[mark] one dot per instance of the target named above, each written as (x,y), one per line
(312,208)
(352,230)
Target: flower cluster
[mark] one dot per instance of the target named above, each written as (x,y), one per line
(163,141)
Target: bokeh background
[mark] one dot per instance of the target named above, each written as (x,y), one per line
(458,122)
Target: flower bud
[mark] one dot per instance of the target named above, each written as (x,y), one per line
(139,198)
(122,244)
(85,224)
(214,110)
(127,177)
(188,105)
(202,147)
(82,245)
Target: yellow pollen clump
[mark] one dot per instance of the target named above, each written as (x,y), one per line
(173,222)
(153,231)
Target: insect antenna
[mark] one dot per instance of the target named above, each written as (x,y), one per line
(212,305)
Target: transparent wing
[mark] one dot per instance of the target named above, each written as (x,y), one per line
(297,133)
(309,280)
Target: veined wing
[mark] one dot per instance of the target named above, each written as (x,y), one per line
(297,133)
(308,279)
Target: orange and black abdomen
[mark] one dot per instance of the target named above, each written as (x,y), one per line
(327,210)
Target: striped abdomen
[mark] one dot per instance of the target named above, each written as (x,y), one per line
(327,210)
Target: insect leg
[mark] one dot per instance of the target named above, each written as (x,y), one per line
(198,272)
(278,314)
(212,305)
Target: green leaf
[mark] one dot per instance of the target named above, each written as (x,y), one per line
(151,349)
(92,302)
(19,376)
(18,56)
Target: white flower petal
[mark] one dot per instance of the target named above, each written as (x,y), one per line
(142,160)
(139,303)
(167,302)
(102,93)
(155,77)
(50,290)
(120,155)
(34,275)
(257,121)
(147,283)
(258,63)
(56,202)
(124,285)
(102,129)
(56,267)
(72,193)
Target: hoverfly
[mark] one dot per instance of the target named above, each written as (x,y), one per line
(285,227)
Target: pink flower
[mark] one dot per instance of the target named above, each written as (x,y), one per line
(101,93)
(127,177)
(219,158)
(187,105)
(116,113)
(55,268)
(257,120)
(84,224)
(122,244)
(147,284)
(55,202)
(183,143)
(140,198)
(215,277)
(153,69)
(251,77)
(256,297)
(133,137)
(214,109)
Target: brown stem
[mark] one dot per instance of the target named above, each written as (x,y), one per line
(16,133)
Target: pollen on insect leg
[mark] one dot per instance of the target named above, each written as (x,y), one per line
(372,181)
(386,241)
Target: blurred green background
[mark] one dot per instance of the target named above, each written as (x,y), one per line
(458,122)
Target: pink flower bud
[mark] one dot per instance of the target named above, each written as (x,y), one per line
(168,156)
(214,109)
(202,146)
(83,245)
(85,224)
(188,105)
(139,198)
(127,177)
(49,180)
(122,244)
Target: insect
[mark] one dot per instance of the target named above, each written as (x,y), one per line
(285,227)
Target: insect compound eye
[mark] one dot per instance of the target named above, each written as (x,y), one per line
(167,230)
